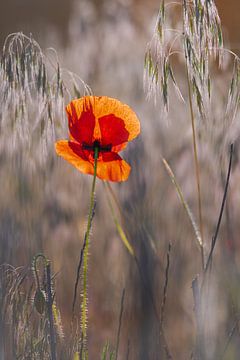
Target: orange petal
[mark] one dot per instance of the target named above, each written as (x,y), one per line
(112,167)
(76,157)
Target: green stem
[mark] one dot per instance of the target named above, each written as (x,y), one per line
(85,255)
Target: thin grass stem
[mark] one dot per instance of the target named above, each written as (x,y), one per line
(197,169)
(214,239)
(119,228)
(184,202)
(165,286)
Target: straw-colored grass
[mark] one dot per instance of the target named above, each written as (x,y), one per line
(163,274)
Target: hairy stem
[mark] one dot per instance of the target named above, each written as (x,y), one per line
(85,255)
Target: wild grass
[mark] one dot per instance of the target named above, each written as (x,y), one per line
(169,288)
(33,93)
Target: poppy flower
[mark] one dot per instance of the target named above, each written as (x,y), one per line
(104,123)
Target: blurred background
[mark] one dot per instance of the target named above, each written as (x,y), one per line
(45,210)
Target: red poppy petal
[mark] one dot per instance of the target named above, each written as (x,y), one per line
(112,167)
(104,106)
(81,120)
(92,117)
(73,153)
(113,130)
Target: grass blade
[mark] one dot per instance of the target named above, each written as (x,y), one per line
(184,203)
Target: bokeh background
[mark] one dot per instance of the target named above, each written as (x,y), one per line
(45,210)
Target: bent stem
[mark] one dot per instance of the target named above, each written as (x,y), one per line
(85,259)
(197,171)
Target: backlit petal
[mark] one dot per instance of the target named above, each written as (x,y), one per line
(113,131)
(102,118)
(81,120)
(99,120)
(112,167)
(73,153)
(104,106)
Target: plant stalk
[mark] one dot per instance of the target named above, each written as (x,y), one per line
(85,256)
(50,313)
(197,169)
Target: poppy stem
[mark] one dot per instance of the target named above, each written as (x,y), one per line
(85,258)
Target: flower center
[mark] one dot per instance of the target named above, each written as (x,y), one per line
(97,145)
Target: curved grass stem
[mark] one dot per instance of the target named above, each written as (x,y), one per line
(85,259)
(197,170)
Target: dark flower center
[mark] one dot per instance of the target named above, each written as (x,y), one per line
(97,145)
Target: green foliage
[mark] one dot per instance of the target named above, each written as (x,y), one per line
(107,353)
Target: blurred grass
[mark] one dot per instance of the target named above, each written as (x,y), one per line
(44,202)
